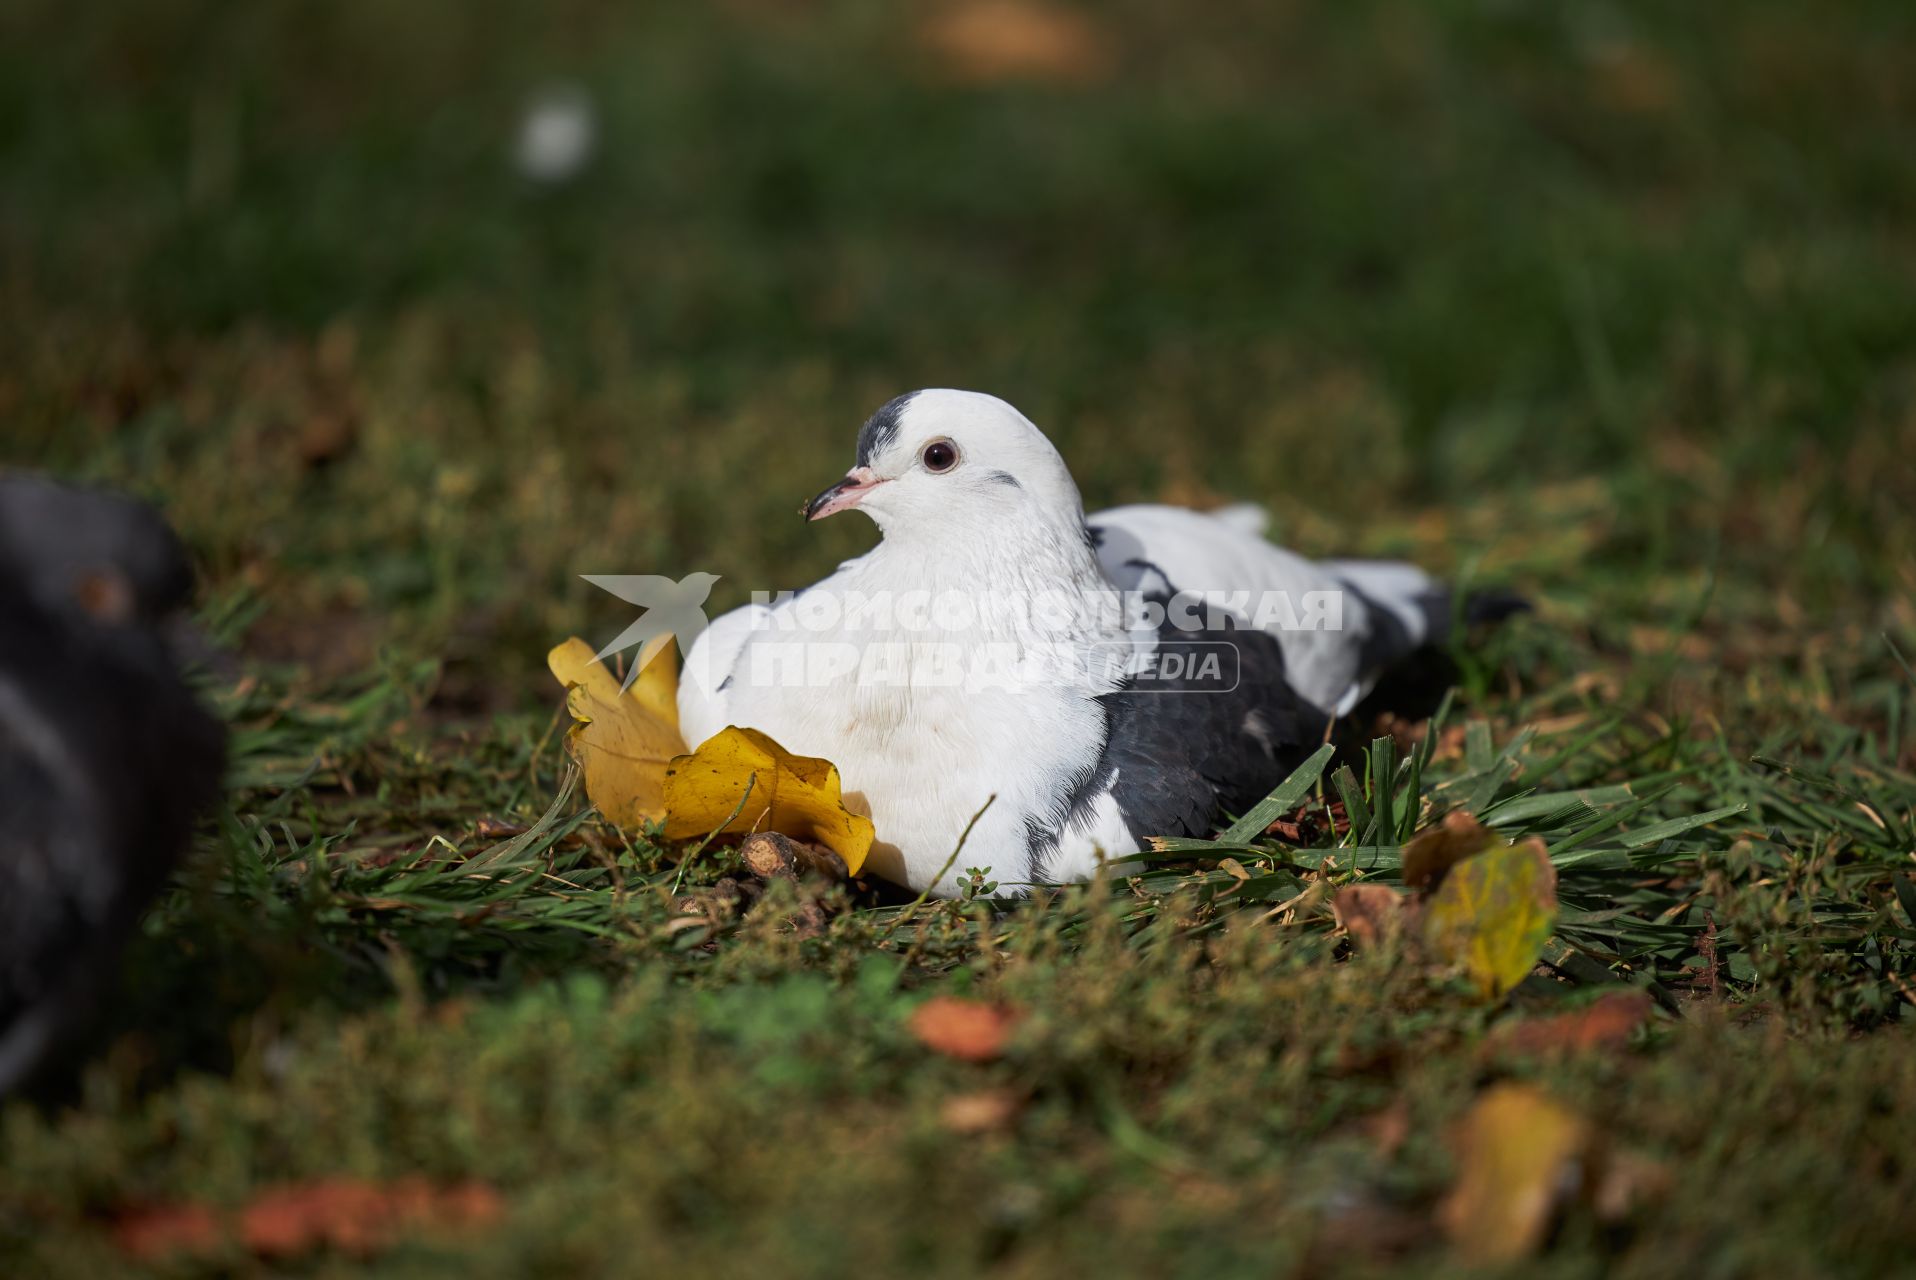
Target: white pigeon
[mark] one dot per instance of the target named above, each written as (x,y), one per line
(1011,733)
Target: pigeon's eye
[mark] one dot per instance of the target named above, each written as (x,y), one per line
(939,455)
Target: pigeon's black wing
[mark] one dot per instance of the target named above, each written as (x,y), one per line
(47,835)
(1184,750)
(52,839)
(1206,728)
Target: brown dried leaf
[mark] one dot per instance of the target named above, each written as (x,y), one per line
(346,1214)
(326,436)
(969,1030)
(359,1217)
(1369,912)
(1301,825)
(165,1230)
(822,860)
(987,41)
(1604,1024)
(1290,829)
(1433,852)
(1407,734)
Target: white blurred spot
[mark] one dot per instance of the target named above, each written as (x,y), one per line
(556,134)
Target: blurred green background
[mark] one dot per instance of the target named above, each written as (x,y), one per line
(1611,302)
(1564,293)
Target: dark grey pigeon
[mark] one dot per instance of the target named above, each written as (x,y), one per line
(106,756)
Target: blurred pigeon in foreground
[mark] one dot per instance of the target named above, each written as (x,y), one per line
(951,731)
(105,755)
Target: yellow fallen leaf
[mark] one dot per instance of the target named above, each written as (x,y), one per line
(1493,913)
(1518,1154)
(637,770)
(798,796)
(624,741)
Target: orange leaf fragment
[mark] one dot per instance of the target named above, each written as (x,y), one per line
(1606,1023)
(359,1217)
(346,1214)
(969,1030)
(986,41)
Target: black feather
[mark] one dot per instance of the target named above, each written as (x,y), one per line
(1185,752)
(881,429)
(1181,751)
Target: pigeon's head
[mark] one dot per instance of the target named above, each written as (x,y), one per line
(89,555)
(942,458)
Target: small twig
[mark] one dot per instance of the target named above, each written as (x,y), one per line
(925,896)
(1286,905)
(1901,985)
(953,859)
(538,749)
(507,850)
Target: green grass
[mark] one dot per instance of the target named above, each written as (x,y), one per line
(1616,305)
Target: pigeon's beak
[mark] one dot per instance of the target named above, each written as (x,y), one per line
(847,493)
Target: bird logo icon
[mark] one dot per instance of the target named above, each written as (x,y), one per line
(671,608)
